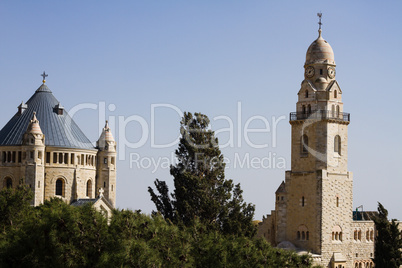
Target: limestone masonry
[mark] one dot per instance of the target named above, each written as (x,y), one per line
(314,205)
(43,147)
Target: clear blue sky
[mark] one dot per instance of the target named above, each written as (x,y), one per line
(207,56)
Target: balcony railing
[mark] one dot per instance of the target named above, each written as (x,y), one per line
(321,115)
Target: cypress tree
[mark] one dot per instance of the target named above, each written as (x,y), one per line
(388,243)
(201,190)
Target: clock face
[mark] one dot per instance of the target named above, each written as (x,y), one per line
(309,72)
(331,72)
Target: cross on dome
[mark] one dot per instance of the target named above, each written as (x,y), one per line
(319,22)
(44,75)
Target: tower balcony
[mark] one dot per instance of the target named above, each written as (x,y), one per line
(320,115)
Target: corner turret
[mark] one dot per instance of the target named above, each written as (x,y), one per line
(33,148)
(106,164)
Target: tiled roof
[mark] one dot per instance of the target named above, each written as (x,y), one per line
(364,215)
(82,202)
(60,130)
(281,188)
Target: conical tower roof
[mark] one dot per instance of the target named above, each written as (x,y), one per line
(33,126)
(59,128)
(106,136)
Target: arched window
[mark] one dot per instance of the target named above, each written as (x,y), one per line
(8,182)
(333,110)
(302,201)
(306,94)
(309,109)
(303,109)
(304,144)
(372,235)
(302,233)
(335,94)
(60,187)
(359,235)
(337,201)
(89,188)
(337,144)
(337,111)
(337,233)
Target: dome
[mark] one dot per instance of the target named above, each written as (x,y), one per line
(321,80)
(286,245)
(320,52)
(60,130)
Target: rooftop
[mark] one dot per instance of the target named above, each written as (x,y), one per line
(59,128)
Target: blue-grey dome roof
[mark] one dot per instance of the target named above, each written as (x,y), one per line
(60,130)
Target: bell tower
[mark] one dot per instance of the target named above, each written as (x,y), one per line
(318,187)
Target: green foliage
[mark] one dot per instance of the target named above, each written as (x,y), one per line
(58,235)
(14,203)
(201,190)
(143,241)
(388,243)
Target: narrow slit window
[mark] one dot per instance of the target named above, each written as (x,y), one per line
(337,144)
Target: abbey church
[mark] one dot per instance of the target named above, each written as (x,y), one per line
(44,148)
(314,205)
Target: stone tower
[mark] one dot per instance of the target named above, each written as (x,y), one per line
(313,206)
(33,149)
(106,173)
(318,187)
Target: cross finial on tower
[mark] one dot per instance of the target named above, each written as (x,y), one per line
(319,22)
(44,75)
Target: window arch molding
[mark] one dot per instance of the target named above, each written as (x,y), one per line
(65,184)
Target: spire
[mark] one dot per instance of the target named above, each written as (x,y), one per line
(33,126)
(319,23)
(108,133)
(106,138)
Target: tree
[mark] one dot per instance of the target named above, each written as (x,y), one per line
(14,205)
(56,234)
(388,243)
(201,190)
